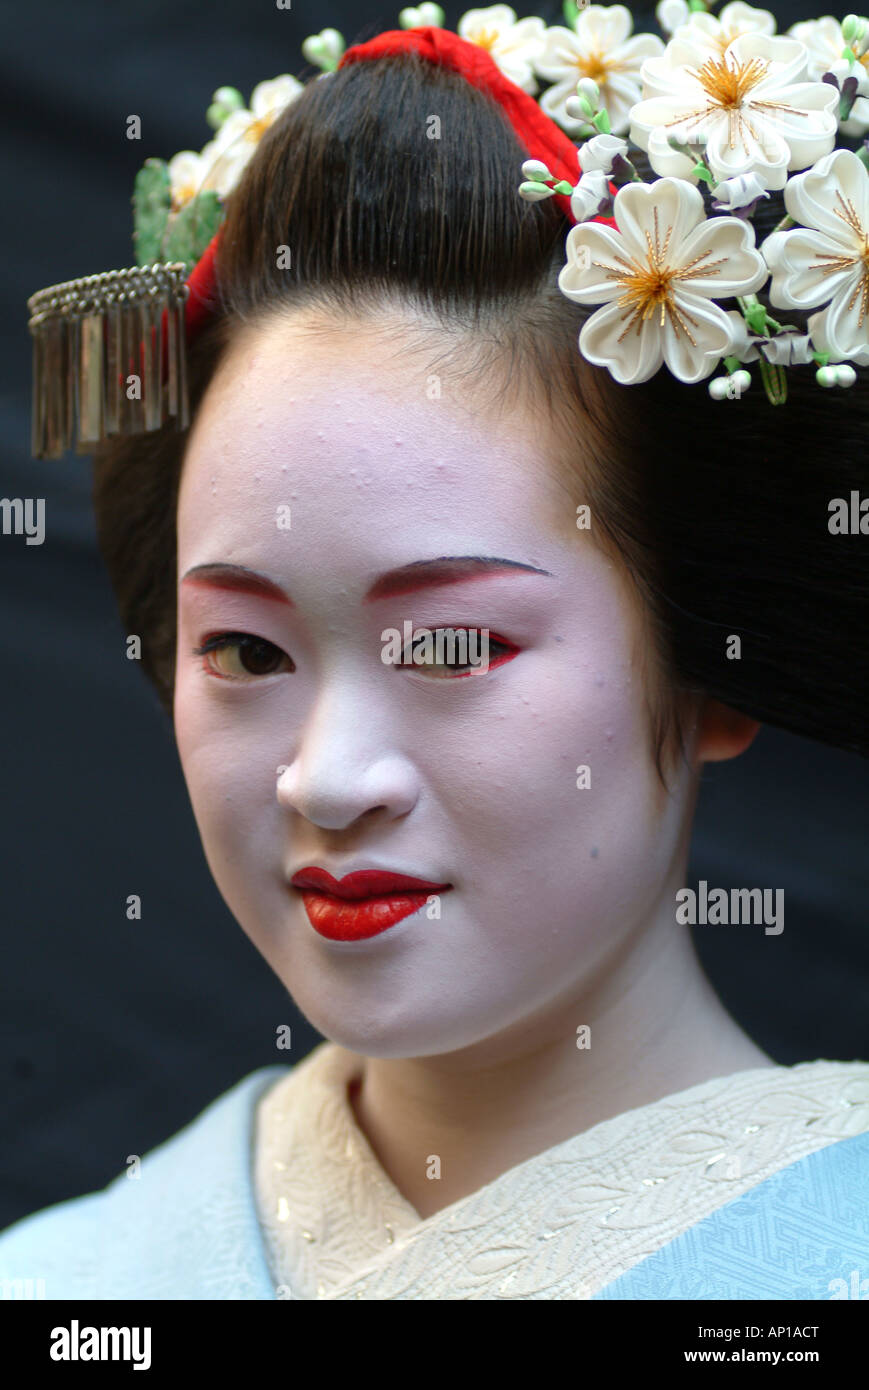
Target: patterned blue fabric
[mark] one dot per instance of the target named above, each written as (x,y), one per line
(187,1228)
(803,1233)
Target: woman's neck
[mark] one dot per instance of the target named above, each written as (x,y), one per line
(656,1027)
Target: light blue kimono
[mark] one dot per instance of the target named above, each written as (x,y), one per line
(187,1228)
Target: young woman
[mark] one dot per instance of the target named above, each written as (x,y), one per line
(467,863)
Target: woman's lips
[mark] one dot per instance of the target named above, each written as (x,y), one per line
(362,904)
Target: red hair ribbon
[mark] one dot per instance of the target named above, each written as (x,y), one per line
(537,133)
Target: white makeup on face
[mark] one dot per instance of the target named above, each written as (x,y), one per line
(467,780)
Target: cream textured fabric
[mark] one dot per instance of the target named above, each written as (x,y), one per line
(561,1224)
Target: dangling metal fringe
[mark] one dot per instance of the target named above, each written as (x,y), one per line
(108,357)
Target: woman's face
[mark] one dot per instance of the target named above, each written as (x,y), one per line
(331,466)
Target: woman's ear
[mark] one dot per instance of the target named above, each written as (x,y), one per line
(722,732)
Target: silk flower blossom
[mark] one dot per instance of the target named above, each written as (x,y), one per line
(600,47)
(189,174)
(656,276)
(671,13)
(827,258)
(236,140)
(512,43)
(712,35)
(826,44)
(735,19)
(751,107)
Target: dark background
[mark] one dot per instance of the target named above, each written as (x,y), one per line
(117,1033)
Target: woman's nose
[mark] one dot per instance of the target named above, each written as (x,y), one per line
(345,766)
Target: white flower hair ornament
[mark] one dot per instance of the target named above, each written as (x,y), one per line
(657,276)
(732,109)
(727,114)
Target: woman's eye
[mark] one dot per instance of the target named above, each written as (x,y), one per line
(448,652)
(239,655)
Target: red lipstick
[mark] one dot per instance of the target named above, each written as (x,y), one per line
(362,904)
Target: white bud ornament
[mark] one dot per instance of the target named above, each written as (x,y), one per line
(420,16)
(729,387)
(852,28)
(838,374)
(535,192)
(323,50)
(535,169)
(578,108)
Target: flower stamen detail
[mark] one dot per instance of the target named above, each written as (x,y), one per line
(728,86)
(650,286)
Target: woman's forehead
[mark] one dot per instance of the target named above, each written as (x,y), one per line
(362,438)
